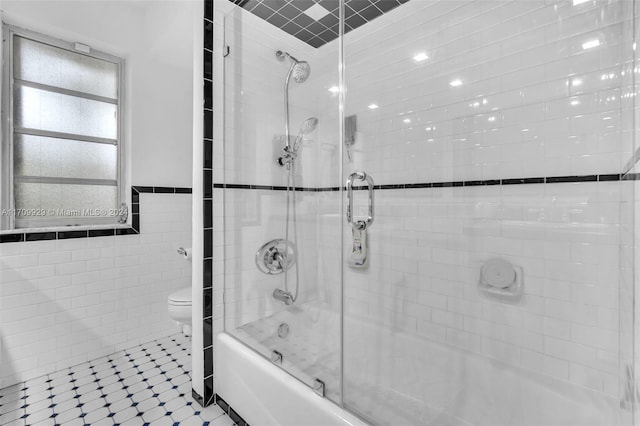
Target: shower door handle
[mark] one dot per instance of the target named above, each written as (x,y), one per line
(364,177)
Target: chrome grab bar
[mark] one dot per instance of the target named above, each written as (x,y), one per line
(359,224)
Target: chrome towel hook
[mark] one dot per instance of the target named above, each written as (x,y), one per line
(364,177)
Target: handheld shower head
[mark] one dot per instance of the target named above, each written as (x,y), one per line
(307,127)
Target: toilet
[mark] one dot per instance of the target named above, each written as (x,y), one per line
(180,308)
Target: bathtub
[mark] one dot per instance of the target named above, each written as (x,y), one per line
(265,395)
(391,377)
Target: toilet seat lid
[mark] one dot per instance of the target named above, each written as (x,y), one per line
(181,297)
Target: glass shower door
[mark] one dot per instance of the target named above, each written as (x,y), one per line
(487,289)
(282,285)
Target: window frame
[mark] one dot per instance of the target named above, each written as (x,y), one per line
(7,189)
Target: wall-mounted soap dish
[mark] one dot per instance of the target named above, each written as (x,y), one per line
(499,278)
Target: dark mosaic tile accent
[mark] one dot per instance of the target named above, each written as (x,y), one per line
(208,35)
(142,189)
(289,16)
(208,64)
(208,94)
(64,235)
(208,243)
(208,126)
(207,329)
(209,395)
(207,274)
(40,236)
(11,238)
(207,213)
(207,183)
(126,231)
(208,154)
(612,177)
(207,302)
(233,414)
(208,361)
(164,190)
(135,222)
(102,232)
(467,183)
(208,10)
(559,179)
(207,177)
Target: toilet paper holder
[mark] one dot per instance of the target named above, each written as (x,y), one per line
(498,277)
(183,252)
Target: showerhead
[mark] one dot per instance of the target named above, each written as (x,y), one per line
(300,70)
(307,127)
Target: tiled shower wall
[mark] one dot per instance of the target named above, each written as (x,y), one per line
(253,139)
(508,92)
(64,302)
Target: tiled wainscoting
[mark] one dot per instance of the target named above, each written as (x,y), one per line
(143,385)
(67,301)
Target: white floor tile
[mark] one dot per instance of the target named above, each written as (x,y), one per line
(146,384)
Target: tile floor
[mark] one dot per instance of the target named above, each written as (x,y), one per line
(149,384)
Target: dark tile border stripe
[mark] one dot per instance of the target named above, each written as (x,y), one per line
(452,184)
(237,419)
(16,237)
(208,396)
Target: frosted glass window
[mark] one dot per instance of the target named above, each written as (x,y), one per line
(44,110)
(51,157)
(64,201)
(42,63)
(64,112)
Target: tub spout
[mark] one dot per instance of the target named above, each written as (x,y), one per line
(283,296)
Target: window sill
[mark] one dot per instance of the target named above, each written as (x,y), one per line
(64,228)
(65,233)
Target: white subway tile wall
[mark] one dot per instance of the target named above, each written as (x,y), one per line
(509,89)
(64,302)
(253,139)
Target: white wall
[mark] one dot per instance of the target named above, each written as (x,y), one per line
(154,38)
(64,302)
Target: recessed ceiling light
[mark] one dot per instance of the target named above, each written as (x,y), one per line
(419,57)
(455,83)
(576,82)
(591,44)
(575,102)
(577,2)
(406,120)
(373,106)
(334,89)
(492,118)
(316,12)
